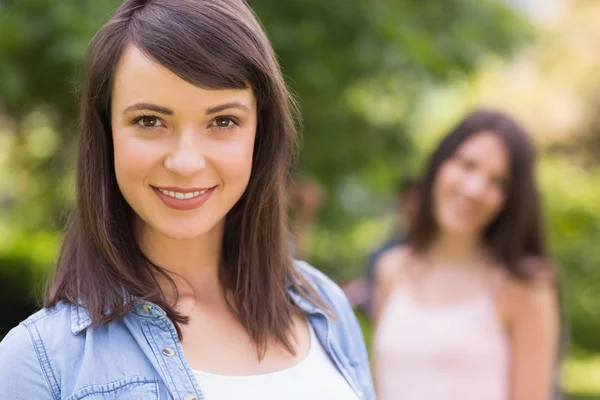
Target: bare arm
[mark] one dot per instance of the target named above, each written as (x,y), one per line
(534,330)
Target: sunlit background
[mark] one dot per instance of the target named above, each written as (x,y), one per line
(379,82)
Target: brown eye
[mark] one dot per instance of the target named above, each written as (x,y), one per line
(224,122)
(466,164)
(149,122)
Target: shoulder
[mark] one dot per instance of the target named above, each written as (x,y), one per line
(45,331)
(42,326)
(333,298)
(52,319)
(535,294)
(539,271)
(24,361)
(324,285)
(527,294)
(19,363)
(537,276)
(56,320)
(391,263)
(329,292)
(16,344)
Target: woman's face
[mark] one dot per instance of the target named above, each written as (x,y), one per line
(183,154)
(470,186)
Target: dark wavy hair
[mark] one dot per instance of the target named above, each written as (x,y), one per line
(515,236)
(213,44)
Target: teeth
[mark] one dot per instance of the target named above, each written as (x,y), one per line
(183,196)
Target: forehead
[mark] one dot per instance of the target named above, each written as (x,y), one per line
(488,151)
(139,78)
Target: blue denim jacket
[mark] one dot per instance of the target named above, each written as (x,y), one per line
(53,354)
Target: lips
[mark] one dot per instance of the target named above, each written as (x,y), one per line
(183,198)
(464,206)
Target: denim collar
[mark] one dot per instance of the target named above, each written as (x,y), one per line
(80,318)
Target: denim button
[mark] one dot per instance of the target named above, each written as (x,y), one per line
(190,397)
(147,308)
(167,351)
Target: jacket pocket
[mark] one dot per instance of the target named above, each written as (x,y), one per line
(134,388)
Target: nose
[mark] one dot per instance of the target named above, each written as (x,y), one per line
(474,185)
(186,158)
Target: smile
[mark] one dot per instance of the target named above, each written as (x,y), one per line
(183,199)
(181,195)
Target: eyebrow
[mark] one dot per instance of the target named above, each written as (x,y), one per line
(167,111)
(226,106)
(148,106)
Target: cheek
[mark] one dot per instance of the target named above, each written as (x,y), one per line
(133,159)
(236,161)
(121,152)
(447,177)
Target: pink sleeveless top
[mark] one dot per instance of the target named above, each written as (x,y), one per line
(453,352)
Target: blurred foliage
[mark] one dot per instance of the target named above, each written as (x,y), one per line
(572,197)
(582,377)
(355,66)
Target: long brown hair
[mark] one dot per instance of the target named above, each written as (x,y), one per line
(213,44)
(515,237)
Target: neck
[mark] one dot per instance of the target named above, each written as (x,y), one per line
(193,264)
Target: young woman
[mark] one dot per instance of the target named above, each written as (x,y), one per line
(468,308)
(175,279)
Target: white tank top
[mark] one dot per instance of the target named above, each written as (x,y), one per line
(314,378)
(453,352)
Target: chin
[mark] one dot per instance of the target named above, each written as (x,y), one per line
(179,231)
(180,234)
(457,227)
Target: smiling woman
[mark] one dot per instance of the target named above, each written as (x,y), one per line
(175,278)
(470,302)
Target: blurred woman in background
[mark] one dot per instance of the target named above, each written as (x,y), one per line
(468,308)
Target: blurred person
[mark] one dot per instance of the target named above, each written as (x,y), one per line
(468,307)
(175,279)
